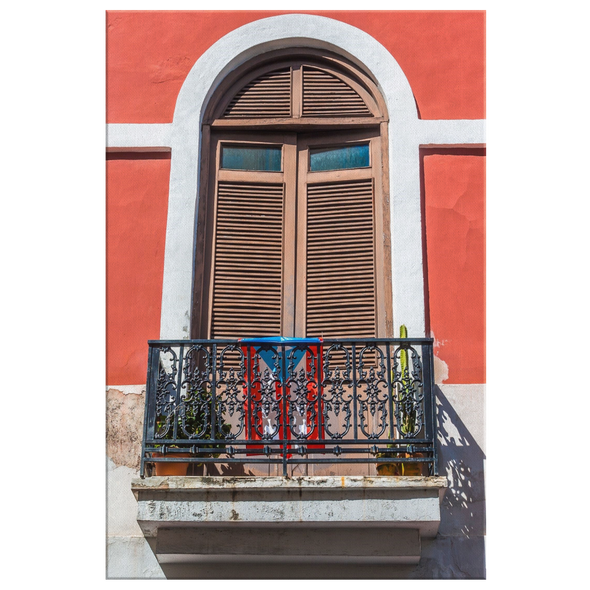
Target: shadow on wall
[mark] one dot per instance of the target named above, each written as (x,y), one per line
(458,551)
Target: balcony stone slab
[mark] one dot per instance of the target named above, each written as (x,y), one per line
(351,518)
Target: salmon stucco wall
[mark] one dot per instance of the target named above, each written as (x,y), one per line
(454,188)
(149,55)
(137,202)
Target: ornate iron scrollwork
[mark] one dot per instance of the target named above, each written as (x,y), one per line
(372,408)
(231,399)
(290,402)
(335,382)
(303,396)
(195,408)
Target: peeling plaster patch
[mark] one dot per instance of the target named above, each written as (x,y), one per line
(124,427)
(437,343)
(441,370)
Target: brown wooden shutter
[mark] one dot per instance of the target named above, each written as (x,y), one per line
(268,95)
(340,260)
(324,95)
(248,260)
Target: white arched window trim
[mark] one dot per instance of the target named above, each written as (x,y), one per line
(407,133)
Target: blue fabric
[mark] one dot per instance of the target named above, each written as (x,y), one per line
(281,339)
(266,355)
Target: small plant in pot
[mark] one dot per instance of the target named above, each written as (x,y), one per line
(407,419)
(192,423)
(387,464)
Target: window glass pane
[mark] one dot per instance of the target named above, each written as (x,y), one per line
(338,158)
(251,158)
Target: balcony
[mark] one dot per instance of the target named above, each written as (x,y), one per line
(291,434)
(290,403)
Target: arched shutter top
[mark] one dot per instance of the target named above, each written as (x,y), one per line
(269,95)
(325,95)
(298,90)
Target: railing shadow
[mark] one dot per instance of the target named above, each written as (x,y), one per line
(458,551)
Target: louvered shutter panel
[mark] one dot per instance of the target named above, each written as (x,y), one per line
(247,276)
(340,260)
(268,95)
(324,95)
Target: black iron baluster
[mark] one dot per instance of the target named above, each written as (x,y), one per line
(177,400)
(151,390)
(429,402)
(213,391)
(389,392)
(149,417)
(354,393)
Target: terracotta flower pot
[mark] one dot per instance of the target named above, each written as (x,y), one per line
(387,468)
(170,468)
(412,468)
(392,467)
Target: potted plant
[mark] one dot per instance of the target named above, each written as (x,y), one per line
(387,465)
(407,422)
(192,421)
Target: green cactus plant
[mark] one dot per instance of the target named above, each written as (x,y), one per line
(408,419)
(406,396)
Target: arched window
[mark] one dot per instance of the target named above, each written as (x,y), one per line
(293,235)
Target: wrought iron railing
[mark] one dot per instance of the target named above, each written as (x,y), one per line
(290,402)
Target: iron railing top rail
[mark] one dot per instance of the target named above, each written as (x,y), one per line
(294,342)
(352,404)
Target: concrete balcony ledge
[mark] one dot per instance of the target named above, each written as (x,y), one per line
(278,483)
(380,519)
